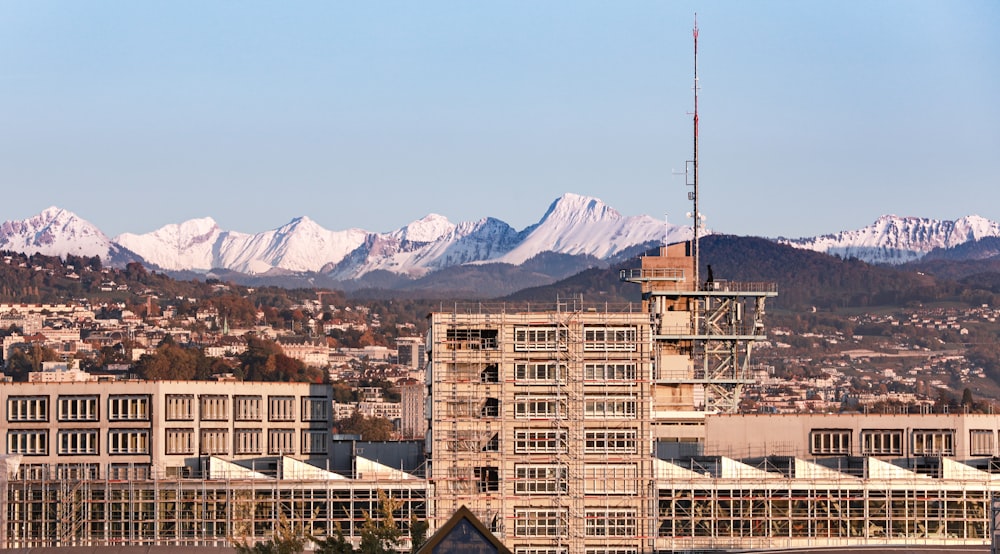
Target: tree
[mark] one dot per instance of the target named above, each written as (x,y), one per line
(418,533)
(968,401)
(381,537)
(370,428)
(285,540)
(334,544)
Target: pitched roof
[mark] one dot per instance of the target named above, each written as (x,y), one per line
(465,533)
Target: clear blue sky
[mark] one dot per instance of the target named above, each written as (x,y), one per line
(815,116)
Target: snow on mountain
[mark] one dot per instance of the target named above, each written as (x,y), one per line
(428,229)
(448,245)
(573,224)
(179,246)
(576,224)
(199,244)
(896,240)
(58,232)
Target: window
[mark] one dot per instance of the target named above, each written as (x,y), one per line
(248,441)
(610,479)
(314,441)
(490,408)
(180,441)
(539,441)
(527,406)
(609,407)
(598,373)
(76,472)
(214,441)
(610,441)
(490,374)
(547,372)
(881,442)
(830,441)
(128,408)
(281,408)
(281,441)
(471,339)
(609,339)
(541,479)
(533,522)
(213,407)
(180,407)
(933,442)
(617,550)
(30,442)
(77,441)
(981,442)
(315,408)
(129,471)
(610,523)
(487,479)
(28,408)
(248,408)
(128,441)
(77,408)
(539,339)
(540,550)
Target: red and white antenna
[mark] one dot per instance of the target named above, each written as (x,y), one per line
(693,196)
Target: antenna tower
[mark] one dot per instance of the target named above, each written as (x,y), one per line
(694,162)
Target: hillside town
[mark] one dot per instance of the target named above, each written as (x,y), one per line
(912,360)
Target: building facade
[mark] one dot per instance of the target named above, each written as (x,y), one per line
(540,426)
(181,462)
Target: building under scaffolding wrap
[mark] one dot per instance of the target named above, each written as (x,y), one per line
(539,425)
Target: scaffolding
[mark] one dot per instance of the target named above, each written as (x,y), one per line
(703,332)
(540,424)
(46,509)
(719,503)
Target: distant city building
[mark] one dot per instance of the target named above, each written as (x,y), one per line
(410,352)
(413,415)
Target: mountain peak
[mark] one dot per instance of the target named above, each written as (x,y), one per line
(579,208)
(426,229)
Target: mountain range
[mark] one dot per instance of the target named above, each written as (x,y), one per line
(576,232)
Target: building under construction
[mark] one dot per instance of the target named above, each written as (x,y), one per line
(539,425)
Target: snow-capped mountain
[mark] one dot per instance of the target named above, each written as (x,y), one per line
(897,240)
(58,232)
(573,224)
(199,244)
(577,224)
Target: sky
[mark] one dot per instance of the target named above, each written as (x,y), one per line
(815,117)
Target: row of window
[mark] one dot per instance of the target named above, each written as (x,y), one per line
(85,442)
(78,408)
(593,373)
(35,442)
(599,522)
(216,407)
(537,338)
(179,407)
(891,442)
(246,441)
(596,441)
(604,479)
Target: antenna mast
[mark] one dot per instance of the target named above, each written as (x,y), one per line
(694,162)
